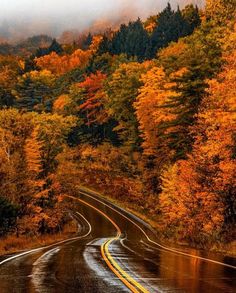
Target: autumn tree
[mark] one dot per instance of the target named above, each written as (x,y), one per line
(33,154)
(64,82)
(92,99)
(61,104)
(37,184)
(221,11)
(14,129)
(87,102)
(122,89)
(34,91)
(200,54)
(198,199)
(155,119)
(53,131)
(151,110)
(10,68)
(41,149)
(151,23)
(95,43)
(59,65)
(29,145)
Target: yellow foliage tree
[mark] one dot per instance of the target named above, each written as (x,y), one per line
(59,105)
(158,90)
(221,10)
(199,195)
(33,153)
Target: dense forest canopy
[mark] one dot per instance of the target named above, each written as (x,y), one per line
(146,112)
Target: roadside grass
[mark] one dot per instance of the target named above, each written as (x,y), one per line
(228,249)
(12,244)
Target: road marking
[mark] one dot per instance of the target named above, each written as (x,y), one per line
(126,247)
(46,254)
(51,245)
(158,244)
(118,271)
(129,282)
(90,227)
(19,255)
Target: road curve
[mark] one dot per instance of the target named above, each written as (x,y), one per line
(115,252)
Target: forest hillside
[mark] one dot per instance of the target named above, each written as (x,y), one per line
(145,114)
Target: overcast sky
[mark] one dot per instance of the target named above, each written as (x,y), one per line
(75,14)
(90,8)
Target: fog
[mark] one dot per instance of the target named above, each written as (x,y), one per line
(22,18)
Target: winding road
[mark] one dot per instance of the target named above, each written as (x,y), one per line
(114,252)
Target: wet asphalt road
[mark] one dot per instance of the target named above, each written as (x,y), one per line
(78,266)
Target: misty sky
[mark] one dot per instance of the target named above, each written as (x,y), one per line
(76,14)
(88,8)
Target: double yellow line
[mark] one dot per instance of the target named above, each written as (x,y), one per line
(128,281)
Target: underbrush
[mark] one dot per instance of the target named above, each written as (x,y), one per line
(11,243)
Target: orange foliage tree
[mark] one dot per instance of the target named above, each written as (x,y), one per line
(96,41)
(93,96)
(61,103)
(199,194)
(155,122)
(34,165)
(61,64)
(151,110)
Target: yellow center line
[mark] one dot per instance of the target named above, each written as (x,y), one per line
(116,268)
(104,250)
(129,282)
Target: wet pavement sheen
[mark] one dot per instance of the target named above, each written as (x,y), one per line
(78,266)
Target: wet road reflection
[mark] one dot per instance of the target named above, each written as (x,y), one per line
(79,267)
